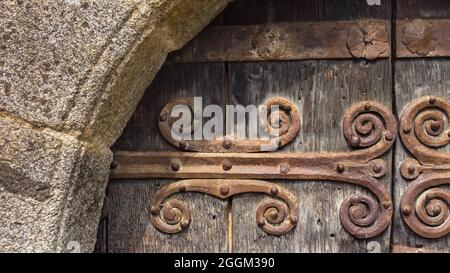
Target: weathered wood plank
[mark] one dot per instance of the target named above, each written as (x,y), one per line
(249,12)
(129,227)
(415,78)
(323,90)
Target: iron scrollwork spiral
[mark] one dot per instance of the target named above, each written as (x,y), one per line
(278,118)
(371,127)
(276,215)
(424,127)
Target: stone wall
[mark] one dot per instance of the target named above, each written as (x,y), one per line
(71,75)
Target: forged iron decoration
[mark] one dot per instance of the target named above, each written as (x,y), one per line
(424,127)
(217,168)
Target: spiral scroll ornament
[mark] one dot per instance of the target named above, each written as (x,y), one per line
(370,125)
(276,215)
(427,211)
(273,217)
(424,126)
(278,119)
(172,216)
(359,215)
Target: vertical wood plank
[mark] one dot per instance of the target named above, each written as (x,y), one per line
(415,78)
(129,227)
(323,90)
(253,12)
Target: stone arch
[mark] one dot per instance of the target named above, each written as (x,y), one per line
(72,73)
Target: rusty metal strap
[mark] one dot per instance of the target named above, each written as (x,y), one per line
(367,39)
(368,126)
(288,41)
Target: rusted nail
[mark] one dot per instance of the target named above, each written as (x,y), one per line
(367,106)
(387,205)
(340,168)
(355,141)
(407,129)
(227,144)
(284,168)
(182,144)
(261,222)
(407,210)
(184,224)
(411,169)
(175,166)
(377,168)
(226,165)
(224,190)
(274,191)
(432,100)
(388,136)
(154,210)
(293,220)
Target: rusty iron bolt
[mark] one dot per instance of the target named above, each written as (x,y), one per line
(293,220)
(284,168)
(227,165)
(407,210)
(274,191)
(183,188)
(407,129)
(377,168)
(355,141)
(184,224)
(261,222)
(388,136)
(224,190)
(175,166)
(340,168)
(155,210)
(411,169)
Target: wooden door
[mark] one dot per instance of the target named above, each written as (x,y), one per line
(323,89)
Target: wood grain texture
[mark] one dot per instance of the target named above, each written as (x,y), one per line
(129,227)
(416,78)
(249,12)
(323,90)
(422,9)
